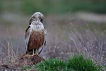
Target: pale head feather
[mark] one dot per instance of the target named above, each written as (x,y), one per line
(36,21)
(37,14)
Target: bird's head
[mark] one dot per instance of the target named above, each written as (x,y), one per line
(37,16)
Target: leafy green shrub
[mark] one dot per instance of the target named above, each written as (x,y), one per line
(79,63)
(53,65)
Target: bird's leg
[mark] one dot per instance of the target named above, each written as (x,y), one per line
(33,52)
(36,52)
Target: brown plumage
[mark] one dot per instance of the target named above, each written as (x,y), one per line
(36,40)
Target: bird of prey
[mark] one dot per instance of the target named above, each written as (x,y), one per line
(35,34)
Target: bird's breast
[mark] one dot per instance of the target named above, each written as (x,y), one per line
(36,40)
(37,27)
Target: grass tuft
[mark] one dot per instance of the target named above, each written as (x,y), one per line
(53,65)
(76,63)
(79,63)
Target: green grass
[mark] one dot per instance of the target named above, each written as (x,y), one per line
(76,63)
(53,65)
(26,67)
(79,63)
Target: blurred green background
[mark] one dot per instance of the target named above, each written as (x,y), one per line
(53,6)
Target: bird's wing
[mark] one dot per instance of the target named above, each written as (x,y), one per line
(44,44)
(41,48)
(27,36)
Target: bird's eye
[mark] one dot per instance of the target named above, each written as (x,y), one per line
(41,20)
